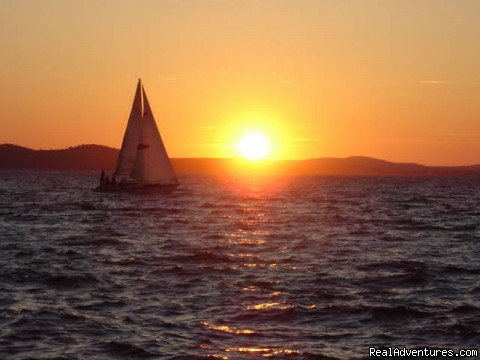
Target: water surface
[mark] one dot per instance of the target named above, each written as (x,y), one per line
(237,268)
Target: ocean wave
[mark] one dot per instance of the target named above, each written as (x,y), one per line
(125,349)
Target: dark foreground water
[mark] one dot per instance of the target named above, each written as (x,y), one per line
(307,268)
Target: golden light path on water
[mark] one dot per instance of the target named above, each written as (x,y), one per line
(264,351)
(228,329)
(245,246)
(268,305)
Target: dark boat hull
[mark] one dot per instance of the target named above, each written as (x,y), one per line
(134,188)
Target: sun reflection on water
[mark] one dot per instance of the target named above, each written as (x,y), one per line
(264,351)
(228,329)
(270,305)
(248,244)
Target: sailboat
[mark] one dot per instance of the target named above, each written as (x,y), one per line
(143,162)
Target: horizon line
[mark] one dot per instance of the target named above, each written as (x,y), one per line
(263,160)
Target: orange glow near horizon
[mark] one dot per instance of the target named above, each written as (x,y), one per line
(393,80)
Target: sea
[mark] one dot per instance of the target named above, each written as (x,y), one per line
(239,267)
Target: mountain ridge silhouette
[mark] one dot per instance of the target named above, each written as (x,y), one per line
(92,157)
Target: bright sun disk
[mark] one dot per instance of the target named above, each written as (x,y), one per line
(254,146)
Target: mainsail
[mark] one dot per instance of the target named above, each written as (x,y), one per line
(128,151)
(152,164)
(143,157)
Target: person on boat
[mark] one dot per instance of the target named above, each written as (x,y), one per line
(107,180)
(102,177)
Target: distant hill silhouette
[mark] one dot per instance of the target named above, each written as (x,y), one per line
(83,157)
(97,157)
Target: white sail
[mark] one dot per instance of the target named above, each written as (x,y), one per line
(131,138)
(152,164)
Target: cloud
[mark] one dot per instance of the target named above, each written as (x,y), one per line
(439,82)
(465,135)
(202,145)
(307,127)
(311,140)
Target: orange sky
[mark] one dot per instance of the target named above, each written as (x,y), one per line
(398,80)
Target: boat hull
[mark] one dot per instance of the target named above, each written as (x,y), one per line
(130,188)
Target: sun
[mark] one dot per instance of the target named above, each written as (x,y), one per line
(254,146)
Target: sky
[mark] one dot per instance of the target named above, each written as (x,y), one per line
(396,80)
